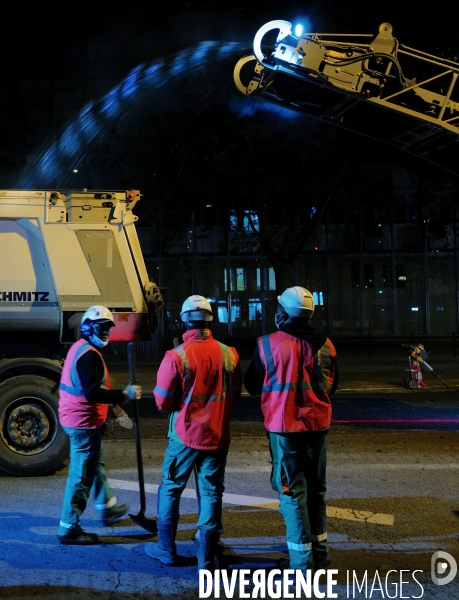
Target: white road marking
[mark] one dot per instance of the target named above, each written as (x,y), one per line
(133,486)
(236,499)
(267,503)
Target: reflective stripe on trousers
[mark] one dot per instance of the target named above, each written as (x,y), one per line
(299,475)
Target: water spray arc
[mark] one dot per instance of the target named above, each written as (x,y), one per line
(83,154)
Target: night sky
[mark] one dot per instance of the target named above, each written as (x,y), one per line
(39,39)
(97,47)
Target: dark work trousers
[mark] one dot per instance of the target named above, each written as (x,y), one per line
(299,475)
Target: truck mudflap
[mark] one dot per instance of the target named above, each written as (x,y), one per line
(131,327)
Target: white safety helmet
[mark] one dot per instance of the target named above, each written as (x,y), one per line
(98,313)
(95,314)
(196,308)
(297,302)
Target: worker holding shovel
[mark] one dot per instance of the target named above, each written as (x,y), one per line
(84,399)
(196,384)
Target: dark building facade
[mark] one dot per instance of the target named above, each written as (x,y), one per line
(389,269)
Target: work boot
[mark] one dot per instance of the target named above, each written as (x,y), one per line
(207,550)
(78,537)
(322,565)
(221,546)
(320,554)
(298,559)
(111,514)
(165,549)
(284,563)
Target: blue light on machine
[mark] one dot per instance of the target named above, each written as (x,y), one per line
(415,309)
(299,30)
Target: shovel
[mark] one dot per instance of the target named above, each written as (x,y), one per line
(140,519)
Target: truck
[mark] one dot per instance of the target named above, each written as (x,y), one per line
(345,79)
(61,252)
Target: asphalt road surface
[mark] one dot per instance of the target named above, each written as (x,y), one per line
(393,502)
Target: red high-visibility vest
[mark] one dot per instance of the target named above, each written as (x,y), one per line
(196,384)
(295,395)
(74,409)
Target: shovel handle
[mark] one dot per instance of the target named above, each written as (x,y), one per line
(131,361)
(138,444)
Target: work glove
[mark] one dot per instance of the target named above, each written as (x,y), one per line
(120,416)
(132,392)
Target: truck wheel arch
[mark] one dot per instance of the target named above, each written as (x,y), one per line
(44,367)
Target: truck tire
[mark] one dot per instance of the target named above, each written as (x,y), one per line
(31,440)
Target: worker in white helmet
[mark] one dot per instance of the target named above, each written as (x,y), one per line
(84,399)
(294,371)
(196,384)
